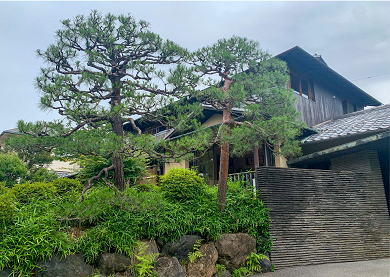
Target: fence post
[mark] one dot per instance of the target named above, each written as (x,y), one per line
(254,186)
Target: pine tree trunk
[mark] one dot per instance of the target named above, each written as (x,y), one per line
(117,128)
(117,159)
(224,162)
(119,176)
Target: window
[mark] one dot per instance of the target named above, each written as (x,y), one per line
(345,108)
(348,107)
(305,88)
(302,86)
(156,130)
(295,83)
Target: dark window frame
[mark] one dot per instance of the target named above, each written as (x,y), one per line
(346,110)
(299,78)
(345,106)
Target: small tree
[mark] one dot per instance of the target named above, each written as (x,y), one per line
(250,79)
(30,151)
(11,169)
(103,71)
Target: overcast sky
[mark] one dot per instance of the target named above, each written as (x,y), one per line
(352,37)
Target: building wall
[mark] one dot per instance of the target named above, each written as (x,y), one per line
(362,162)
(370,162)
(324,216)
(327,105)
(63,166)
(280,161)
(214,119)
(172,164)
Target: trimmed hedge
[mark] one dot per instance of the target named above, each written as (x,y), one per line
(183,185)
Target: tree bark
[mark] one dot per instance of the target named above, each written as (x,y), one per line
(117,159)
(224,163)
(224,160)
(117,128)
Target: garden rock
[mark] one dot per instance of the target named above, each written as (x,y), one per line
(204,266)
(181,248)
(265,265)
(150,248)
(160,242)
(5,272)
(168,267)
(71,266)
(111,263)
(234,248)
(224,273)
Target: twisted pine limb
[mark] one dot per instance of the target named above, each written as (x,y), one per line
(90,181)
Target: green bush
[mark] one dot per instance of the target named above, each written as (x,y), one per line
(33,191)
(42,175)
(145,187)
(48,214)
(64,185)
(7,203)
(11,169)
(116,222)
(183,185)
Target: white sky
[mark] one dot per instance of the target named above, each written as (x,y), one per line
(352,37)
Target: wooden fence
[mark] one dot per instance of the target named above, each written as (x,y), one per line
(248,178)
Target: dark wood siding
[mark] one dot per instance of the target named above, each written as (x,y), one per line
(324,108)
(327,105)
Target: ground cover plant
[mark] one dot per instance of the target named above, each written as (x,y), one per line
(47,218)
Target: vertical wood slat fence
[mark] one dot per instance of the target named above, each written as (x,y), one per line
(248,178)
(324,216)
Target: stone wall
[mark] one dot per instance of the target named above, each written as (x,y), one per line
(170,259)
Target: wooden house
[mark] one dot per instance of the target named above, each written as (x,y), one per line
(322,94)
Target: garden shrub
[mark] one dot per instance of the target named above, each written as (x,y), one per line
(42,175)
(247,214)
(34,191)
(145,187)
(48,213)
(183,185)
(11,169)
(7,203)
(64,185)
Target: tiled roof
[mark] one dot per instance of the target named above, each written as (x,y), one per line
(365,121)
(63,174)
(12,131)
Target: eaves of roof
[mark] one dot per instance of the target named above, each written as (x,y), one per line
(321,154)
(298,57)
(7,134)
(11,131)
